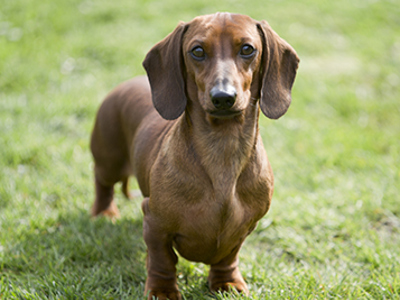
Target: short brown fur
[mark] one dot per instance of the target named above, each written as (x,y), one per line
(204,172)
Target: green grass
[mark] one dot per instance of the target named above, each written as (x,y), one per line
(333,231)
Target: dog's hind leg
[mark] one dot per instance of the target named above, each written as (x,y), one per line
(111,159)
(104,203)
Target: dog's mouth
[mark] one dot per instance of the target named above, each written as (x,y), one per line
(225,114)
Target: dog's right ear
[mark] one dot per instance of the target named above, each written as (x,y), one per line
(165,69)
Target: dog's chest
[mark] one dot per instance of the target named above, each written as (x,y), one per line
(214,198)
(216,225)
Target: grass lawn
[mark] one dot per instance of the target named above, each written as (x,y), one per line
(333,231)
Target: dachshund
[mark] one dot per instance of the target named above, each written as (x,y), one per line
(189,133)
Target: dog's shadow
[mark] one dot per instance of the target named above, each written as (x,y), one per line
(90,258)
(113,249)
(74,255)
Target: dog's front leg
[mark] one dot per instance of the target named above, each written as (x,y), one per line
(161,260)
(226,275)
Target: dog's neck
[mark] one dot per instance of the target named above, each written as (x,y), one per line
(224,147)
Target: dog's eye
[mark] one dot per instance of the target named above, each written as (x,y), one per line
(247,51)
(198,53)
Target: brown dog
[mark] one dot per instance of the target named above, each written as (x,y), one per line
(198,156)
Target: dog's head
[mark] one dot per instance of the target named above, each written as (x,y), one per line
(222,61)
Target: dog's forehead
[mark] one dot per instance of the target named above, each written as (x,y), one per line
(234,25)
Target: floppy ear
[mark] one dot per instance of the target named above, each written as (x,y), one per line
(165,66)
(279,66)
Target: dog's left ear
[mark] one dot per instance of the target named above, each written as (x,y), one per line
(165,69)
(279,66)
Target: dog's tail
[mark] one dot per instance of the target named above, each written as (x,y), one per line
(125,188)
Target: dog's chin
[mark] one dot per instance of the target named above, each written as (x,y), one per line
(225,114)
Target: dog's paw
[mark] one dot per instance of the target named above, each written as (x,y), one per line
(227,280)
(238,286)
(164,295)
(111,212)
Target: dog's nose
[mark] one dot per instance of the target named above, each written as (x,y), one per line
(223,99)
